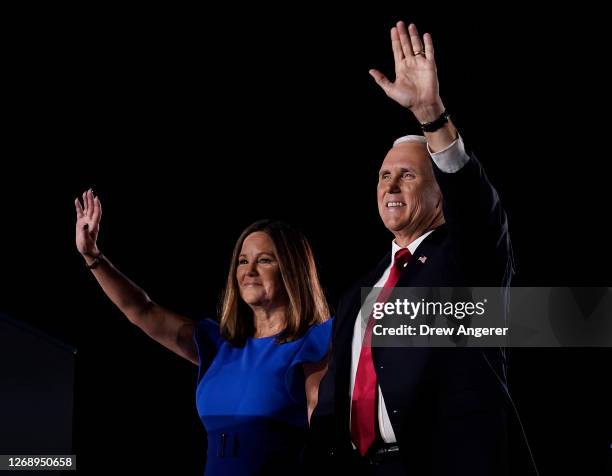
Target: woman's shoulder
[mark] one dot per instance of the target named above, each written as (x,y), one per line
(315,342)
(208,329)
(208,324)
(321,329)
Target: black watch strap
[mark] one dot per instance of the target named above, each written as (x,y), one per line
(94,264)
(436,124)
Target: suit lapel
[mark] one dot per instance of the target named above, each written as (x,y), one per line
(351,303)
(423,254)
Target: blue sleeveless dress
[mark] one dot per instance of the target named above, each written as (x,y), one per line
(252,399)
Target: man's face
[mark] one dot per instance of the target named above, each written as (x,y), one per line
(409,198)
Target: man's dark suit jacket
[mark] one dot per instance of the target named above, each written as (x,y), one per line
(446,406)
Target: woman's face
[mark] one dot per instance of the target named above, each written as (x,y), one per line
(258,272)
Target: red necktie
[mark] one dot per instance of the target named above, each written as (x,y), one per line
(363,408)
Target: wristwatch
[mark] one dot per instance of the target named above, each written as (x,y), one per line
(436,124)
(94,264)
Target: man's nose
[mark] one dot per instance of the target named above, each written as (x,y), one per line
(393,185)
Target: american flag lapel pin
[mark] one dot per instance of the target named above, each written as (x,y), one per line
(422,259)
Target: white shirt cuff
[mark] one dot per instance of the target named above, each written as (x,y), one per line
(452,158)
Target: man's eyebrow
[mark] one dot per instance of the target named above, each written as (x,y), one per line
(402,170)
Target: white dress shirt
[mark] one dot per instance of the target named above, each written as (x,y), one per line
(449,160)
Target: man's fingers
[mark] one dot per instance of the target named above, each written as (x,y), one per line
(398,54)
(97,213)
(79,208)
(429,48)
(407,47)
(90,203)
(415,39)
(380,79)
(85,202)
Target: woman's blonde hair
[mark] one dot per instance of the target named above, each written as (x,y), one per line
(306,301)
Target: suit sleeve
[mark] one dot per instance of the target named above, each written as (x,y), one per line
(476,220)
(470,401)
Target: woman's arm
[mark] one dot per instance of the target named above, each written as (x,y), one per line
(170,329)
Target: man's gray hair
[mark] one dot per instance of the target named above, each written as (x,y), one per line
(410,138)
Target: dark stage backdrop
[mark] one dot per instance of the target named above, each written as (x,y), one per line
(192,124)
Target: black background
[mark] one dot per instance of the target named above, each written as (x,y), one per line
(190,125)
